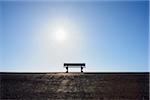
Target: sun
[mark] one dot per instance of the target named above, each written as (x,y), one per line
(60,35)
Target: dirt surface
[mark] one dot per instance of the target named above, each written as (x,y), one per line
(74,86)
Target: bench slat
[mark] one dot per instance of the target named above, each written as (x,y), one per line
(74,64)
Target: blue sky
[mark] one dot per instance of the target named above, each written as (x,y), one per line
(41,36)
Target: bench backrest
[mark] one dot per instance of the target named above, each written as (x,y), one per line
(74,64)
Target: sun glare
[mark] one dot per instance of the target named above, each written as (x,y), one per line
(60,35)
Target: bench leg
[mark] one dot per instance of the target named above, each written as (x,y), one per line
(67,69)
(81,69)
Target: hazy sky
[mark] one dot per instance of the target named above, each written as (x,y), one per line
(41,36)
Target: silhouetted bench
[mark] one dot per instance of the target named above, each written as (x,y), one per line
(74,65)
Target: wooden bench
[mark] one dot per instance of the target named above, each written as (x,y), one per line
(74,65)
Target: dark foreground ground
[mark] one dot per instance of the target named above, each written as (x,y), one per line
(74,86)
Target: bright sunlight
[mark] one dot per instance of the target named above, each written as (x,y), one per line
(60,35)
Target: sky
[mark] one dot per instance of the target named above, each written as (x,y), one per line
(109,36)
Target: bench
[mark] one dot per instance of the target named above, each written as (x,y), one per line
(74,65)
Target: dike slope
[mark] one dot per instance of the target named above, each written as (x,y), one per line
(74,86)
